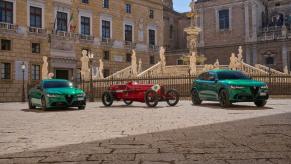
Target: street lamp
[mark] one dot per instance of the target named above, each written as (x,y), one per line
(91,57)
(23,67)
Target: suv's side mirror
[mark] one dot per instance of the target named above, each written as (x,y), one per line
(38,87)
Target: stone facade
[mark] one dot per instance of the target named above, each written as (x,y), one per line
(63,47)
(262,27)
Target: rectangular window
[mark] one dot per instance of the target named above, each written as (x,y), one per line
(5,71)
(106,55)
(35,17)
(106,29)
(171,31)
(85,25)
(152,38)
(106,4)
(224,19)
(85,1)
(152,60)
(106,73)
(128,58)
(6,12)
(62,21)
(128,8)
(128,33)
(35,72)
(152,14)
(5,44)
(35,47)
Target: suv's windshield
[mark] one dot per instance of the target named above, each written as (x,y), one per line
(57,84)
(231,75)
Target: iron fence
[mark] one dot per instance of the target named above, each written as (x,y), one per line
(278,85)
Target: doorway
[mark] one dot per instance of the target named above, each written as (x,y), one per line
(62,74)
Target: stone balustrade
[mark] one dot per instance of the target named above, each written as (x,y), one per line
(8,27)
(124,73)
(37,31)
(269,70)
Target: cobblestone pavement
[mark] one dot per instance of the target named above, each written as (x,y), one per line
(138,135)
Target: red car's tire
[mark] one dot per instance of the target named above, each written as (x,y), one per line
(173,94)
(127,102)
(151,98)
(107,99)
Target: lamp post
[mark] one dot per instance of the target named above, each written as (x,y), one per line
(23,67)
(91,57)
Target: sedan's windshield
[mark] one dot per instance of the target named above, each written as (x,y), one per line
(231,75)
(57,84)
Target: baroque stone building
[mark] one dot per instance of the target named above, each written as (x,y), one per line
(262,27)
(61,29)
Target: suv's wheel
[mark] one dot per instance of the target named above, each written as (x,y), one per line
(224,99)
(173,97)
(260,103)
(30,105)
(151,98)
(195,98)
(107,99)
(43,103)
(81,107)
(127,102)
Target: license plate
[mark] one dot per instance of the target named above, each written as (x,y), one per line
(80,98)
(263,94)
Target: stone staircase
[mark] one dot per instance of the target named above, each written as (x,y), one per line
(267,69)
(124,73)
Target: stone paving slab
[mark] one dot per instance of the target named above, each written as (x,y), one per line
(138,135)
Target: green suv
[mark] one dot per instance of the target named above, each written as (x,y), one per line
(56,93)
(228,87)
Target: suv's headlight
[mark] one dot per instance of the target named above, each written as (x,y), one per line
(52,95)
(237,87)
(81,95)
(265,87)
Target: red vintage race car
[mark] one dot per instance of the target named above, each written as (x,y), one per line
(150,94)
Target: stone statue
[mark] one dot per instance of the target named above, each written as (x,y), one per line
(139,66)
(163,59)
(193,60)
(216,64)
(239,58)
(85,70)
(233,62)
(44,69)
(133,64)
(192,44)
(101,68)
(286,71)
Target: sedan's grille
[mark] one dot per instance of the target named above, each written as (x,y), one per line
(69,98)
(255,90)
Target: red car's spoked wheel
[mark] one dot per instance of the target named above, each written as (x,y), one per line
(172,97)
(151,98)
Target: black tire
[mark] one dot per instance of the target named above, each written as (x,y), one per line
(81,107)
(195,98)
(30,105)
(151,98)
(107,99)
(260,103)
(176,97)
(127,102)
(224,99)
(43,104)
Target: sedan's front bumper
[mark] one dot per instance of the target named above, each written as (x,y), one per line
(248,94)
(65,101)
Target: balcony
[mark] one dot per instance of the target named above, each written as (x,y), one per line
(106,42)
(37,31)
(8,28)
(63,35)
(129,45)
(153,47)
(274,33)
(86,38)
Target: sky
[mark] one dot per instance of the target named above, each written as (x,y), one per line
(181,5)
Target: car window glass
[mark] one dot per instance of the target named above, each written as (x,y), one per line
(232,75)
(57,84)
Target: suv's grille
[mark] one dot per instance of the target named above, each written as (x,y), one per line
(69,98)
(255,90)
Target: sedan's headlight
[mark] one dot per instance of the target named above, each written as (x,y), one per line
(265,87)
(81,95)
(237,87)
(52,95)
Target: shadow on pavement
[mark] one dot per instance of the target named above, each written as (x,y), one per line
(39,110)
(263,140)
(234,107)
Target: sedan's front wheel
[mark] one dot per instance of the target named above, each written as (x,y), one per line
(195,98)
(224,99)
(260,103)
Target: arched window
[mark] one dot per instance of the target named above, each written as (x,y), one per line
(270,60)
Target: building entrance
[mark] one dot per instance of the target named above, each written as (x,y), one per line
(62,74)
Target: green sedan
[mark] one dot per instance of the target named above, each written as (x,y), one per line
(228,87)
(56,93)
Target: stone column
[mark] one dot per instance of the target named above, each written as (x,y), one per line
(255,58)
(254,22)
(248,55)
(284,55)
(247,21)
(201,26)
